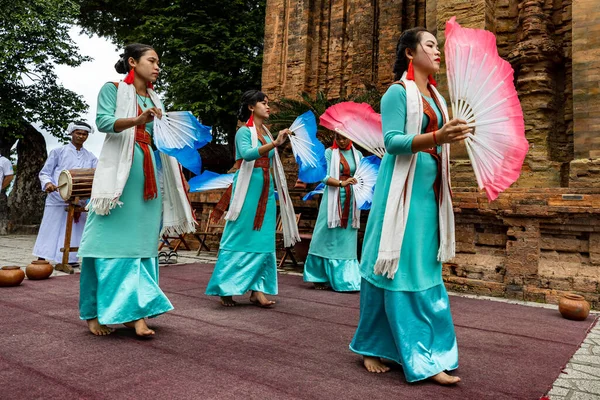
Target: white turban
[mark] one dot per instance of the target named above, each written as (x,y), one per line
(74,127)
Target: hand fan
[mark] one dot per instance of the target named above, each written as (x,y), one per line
(482,92)
(180,135)
(366,175)
(318,190)
(308,150)
(358,122)
(209,180)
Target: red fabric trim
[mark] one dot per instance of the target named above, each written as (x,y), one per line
(250,122)
(345,210)
(264,194)
(143,139)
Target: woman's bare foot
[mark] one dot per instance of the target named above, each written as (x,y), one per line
(444,379)
(321,285)
(259,299)
(374,364)
(141,329)
(227,301)
(97,329)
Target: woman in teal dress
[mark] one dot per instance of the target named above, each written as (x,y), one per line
(119,271)
(246,260)
(332,260)
(405,317)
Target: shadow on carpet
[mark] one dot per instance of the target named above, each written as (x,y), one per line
(297,350)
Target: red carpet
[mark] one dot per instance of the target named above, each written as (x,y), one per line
(298,350)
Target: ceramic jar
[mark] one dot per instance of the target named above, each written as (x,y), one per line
(11,276)
(39,269)
(573,306)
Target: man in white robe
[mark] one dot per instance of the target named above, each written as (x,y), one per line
(6,173)
(51,236)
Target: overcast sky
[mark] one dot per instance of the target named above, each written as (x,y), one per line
(87,79)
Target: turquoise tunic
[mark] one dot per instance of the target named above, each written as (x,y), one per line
(119,271)
(246,259)
(406,319)
(130,231)
(332,254)
(418,268)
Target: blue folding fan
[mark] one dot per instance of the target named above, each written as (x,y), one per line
(209,180)
(308,150)
(180,135)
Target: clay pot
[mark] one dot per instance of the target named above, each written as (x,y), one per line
(39,269)
(573,306)
(11,276)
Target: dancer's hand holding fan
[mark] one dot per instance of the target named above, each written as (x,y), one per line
(483,94)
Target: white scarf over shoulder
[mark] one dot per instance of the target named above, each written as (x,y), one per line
(398,201)
(115,163)
(333,192)
(291,235)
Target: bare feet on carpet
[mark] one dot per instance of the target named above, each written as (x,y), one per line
(321,286)
(227,301)
(97,329)
(374,364)
(444,379)
(141,329)
(259,299)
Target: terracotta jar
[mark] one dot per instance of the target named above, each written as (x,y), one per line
(39,269)
(11,276)
(573,306)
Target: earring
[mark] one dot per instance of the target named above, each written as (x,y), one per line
(130,77)
(410,73)
(432,81)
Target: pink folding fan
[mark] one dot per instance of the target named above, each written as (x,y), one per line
(483,93)
(358,122)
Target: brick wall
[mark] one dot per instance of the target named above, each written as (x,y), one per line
(586,77)
(530,244)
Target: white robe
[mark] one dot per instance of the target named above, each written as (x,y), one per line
(51,236)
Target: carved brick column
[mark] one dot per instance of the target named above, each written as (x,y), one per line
(585,170)
(535,59)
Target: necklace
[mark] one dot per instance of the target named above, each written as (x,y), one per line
(144,98)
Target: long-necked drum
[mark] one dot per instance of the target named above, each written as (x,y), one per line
(74,183)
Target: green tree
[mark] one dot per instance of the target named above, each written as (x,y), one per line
(211,51)
(34,37)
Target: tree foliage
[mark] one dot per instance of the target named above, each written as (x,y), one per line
(211,51)
(34,37)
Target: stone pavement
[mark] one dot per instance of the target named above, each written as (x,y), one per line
(579,381)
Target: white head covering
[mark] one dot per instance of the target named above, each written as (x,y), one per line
(74,126)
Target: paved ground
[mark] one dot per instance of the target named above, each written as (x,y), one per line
(579,381)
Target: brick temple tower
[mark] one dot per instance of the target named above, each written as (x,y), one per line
(541,237)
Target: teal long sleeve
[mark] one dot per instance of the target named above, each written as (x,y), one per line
(243,145)
(328,158)
(393,120)
(107,104)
